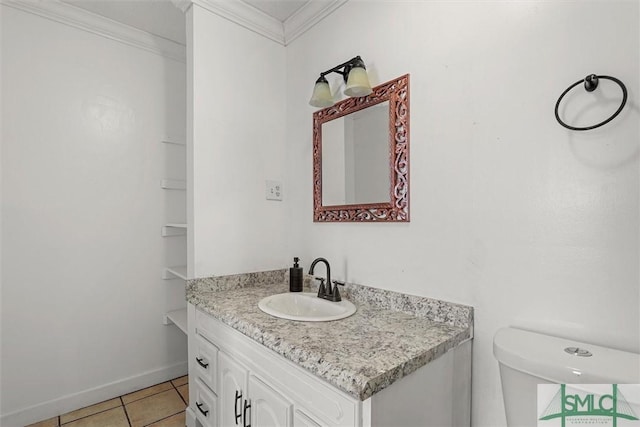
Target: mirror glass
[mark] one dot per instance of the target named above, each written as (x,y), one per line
(361,157)
(355,157)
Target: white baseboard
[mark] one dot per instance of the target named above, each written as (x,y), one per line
(71,402)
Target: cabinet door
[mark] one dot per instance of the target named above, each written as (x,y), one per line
(268,407)
(302,420)
(232,391)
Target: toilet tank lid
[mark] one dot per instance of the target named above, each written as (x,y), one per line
(544,356)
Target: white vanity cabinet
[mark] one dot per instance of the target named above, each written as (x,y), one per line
(235,381)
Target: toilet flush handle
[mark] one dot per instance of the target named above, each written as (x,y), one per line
(577,351)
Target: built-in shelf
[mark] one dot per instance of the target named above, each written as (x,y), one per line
(170,141)
(174,229)
(178,318)
(176,225)
(173,184)
(174,152)
(179,272)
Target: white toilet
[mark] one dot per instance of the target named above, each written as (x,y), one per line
(527,359)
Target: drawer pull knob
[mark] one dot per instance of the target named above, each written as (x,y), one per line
(200,405)
(201,362)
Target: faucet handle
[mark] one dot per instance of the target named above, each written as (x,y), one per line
(336,293)
(322,290)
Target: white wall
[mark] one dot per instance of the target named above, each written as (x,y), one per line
(1,186)
(237,87)
(82,209)
(530,223)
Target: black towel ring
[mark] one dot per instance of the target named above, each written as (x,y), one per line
(590,84)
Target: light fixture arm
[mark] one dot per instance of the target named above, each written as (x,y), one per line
(344,68)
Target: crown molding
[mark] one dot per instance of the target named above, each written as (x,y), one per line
(183,5)
(96,24)
(307,16)
(236,11)
(259,22)
(246,16)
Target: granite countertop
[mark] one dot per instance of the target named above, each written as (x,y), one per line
(389,336)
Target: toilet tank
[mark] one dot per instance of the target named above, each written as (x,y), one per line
(527,359)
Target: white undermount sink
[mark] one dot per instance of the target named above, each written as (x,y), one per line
(306,307)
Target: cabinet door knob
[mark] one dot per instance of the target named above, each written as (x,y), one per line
(201,362)
(247,405)
(237,409)
(200,405)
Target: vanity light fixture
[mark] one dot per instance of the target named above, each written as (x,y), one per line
(355,76)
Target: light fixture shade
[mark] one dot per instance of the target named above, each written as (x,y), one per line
(358,83)
(321,96)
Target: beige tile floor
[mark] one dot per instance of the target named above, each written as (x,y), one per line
(161,405)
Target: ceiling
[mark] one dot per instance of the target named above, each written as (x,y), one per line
(164,19)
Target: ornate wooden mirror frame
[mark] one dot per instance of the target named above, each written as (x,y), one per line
(397,208)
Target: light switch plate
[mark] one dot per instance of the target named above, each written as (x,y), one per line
(273,190)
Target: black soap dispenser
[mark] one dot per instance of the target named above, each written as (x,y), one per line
(295,277)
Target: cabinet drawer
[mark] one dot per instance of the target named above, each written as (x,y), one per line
(206,362)
(204,405)
(205,324)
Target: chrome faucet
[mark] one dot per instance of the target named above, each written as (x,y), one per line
(328,293)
